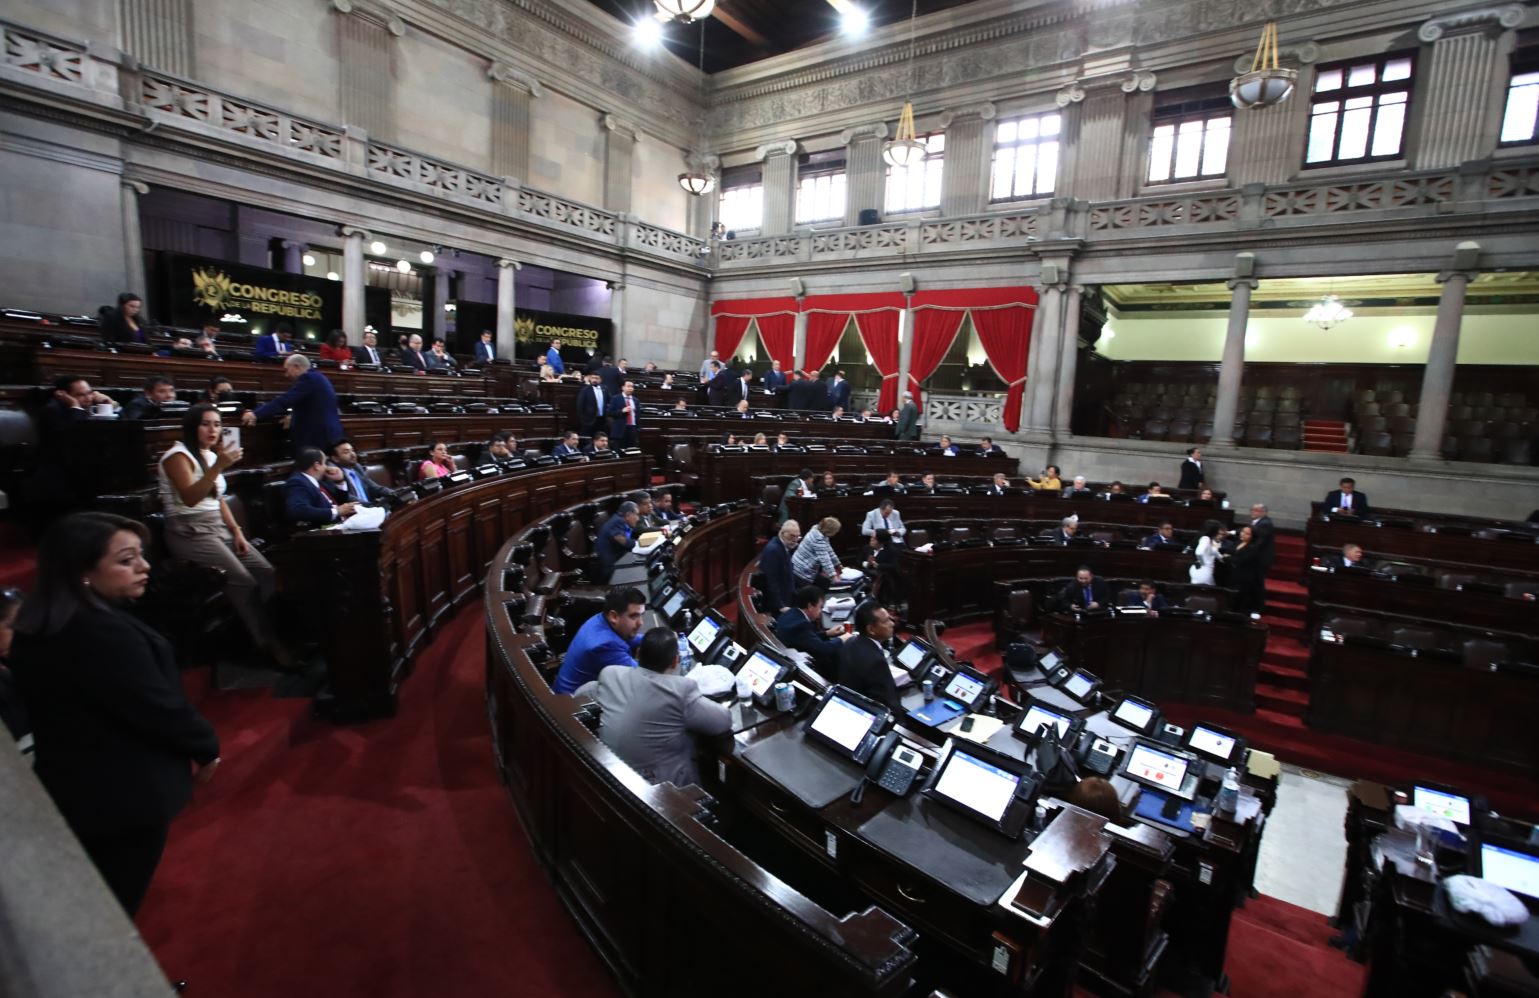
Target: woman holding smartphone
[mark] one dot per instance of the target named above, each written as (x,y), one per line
(201,529)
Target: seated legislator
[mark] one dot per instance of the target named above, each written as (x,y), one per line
(599,442)
(1156,493)
(1351,556)
(1148,597)
(336,348)
(1049,480)
(1068,529)
(1164,537)
(782,441)
(884,517)
(220,390)
(801,485)
(986,448)
(614,540)
(566,447)
(740,410)
(892,483)
(680,407)
(1346,499)
(863,658)
(946,447)
(438,358)
(206,346)
(311,403)
(438,463)
(926,484)
(304,501)
(368,353)
(1000,485)
(775,567)
(609,637)
(646,516)
(411,355)
(1098,796)
(348,481)
(882,564)
(800,627)
(1079,487)
(667,383)
(828,483)
(158,390)
(814,560)
(662,508)
(279,341)
(501,449)
(1086,592)
(650,715)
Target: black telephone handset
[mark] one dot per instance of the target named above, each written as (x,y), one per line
(1096,754)
(894,767)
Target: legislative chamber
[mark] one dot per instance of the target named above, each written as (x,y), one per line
(946,499)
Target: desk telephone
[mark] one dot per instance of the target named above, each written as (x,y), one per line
(894,767)
(1096,754)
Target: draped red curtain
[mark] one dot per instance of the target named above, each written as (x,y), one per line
(1005,333)
(879,332)
(823,332)
(729,334)
(732,318)
(935,329)
(778,334)
(876,317)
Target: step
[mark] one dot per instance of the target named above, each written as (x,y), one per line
(1290,702)
(1282,651)
(1272,677)
(1284,629)
(1286,586)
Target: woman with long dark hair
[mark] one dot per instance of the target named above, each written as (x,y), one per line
(116,742)
(1247,573)
(1206,554)
(336,348)
(201,529)
(123,323)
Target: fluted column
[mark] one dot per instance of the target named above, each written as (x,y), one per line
(365,34)
(1045,336)
(969,144)
(507,274)
(1443,356)
(133,240)
(1104,117)
(158,33)
(438,324)
(1068,363)
(512,96)
(1457,89)
(620,138)
(1231,371)
(779,160)
(617,303)
(799,337)
(353,282)
(864,169)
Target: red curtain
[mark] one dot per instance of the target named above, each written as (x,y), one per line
(935,329)
(778,334)
(823,332)
(1005,334)
(729,334)
(879,332)
(732,319)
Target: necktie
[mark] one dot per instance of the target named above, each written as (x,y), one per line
(327,496)
(1088,600)
(1346,501)
(886,523)
(358,488)
(630,413)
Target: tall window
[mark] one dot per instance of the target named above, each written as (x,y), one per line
(1520,121)
(915,187)
(1190,139)
(1358,111)
(820,182)
(742,199)
(1025,157)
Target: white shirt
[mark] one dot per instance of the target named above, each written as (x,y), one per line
(335,513)
(170,502)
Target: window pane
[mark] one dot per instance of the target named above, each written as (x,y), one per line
(742,207)
(1215,151)
(1328,80)
(1006,131)
(1322,137)
(932,183)
(936,143)
(1522,107)
(1362,76)
(1354,132)
(1396,98)
(1050,124)
(1188,148)
(1028,129)
(1004,174)
(1159,152)
(1396,69)
(1387,130)
(1047,167)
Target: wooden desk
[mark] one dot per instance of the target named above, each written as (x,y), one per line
(1419,603)
(1515,550)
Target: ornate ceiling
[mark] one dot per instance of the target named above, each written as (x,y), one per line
(1377,291)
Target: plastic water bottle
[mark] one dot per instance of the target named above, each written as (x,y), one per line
(1229,792)
(686,656)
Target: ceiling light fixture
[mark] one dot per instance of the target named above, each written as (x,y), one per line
(684,10)
(1328,312)
(332,275)
(697,180)
(308,260)
(647,33)
(853,20)
(404,266)
(377,248)
(905,149)
(1267,83)
(426,256)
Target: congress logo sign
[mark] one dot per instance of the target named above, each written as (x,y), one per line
(216,290)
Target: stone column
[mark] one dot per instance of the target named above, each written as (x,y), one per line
(364,35)
(617,316)
(1231,371)
(158,33)
(293,257)
(620,138)
(1045,336)
(1458,91)
(438,324)
(1107,144)
(864,169)
(1443,357)
(779,160)
(133,241)
(512,94)
(905,347)
(969,148)
(507,274)
(799,337)
(1068,363)
(353,282)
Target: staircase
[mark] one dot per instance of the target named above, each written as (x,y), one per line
(1325,435)
(1282,685)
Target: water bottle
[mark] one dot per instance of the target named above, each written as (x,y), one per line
(1229,792)
(686,657)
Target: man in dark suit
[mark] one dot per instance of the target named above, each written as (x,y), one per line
(1164,537)
(438,358)
(986,448)
(610,377)
(1351,556)
(775,567)
(1264,536)
(348,481)
(1346,499)
(1148,597)
(1068,529)
(411,355)
(1000,485)
(280,341)
(744,387)
(774,378)
(839,392)
(369,352)
(598,442)
(311,404)
(908,418)
(624,411)
(1191,470)
(863,658)
(486,351)
(722,390)
(592,404)
(800,627)
(566,447)
(1086,592)
(158,390)
(305,502)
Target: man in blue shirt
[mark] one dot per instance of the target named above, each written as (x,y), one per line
(614,539)
(311,404)
(553,358)
(609,637)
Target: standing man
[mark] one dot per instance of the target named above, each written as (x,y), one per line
(1191,470)
(622,417)
(722,389)
(863,659)
(592,405)
(908,418)
(610,377)
(485,351)
(774,379)
(707,371)
(839,392)
(553,357)
(369,352)
(1264,536)
(744,382)
(775,568)
(311,403)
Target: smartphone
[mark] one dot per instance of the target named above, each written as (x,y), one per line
(967,723)
(229,436)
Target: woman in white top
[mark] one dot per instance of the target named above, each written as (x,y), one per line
(1207,554)
(200,528)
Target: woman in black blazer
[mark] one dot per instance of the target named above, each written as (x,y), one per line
(1247,574)
(116,742)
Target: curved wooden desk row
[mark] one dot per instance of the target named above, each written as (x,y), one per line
(1196,880)
(1421,602)
(730,476)
(671,906)
(851,510)
(377,594)
(1509,550)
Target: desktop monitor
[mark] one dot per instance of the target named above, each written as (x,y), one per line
(1162,768)
(1215,743)
(984,785)
(1511,865)
(675,603)
(968,687)
(1441,802)
(762,671)
(704,635)
(847,722)
(1077,683)
(656,584)
(912,655)
(1038,715)
(1140,715)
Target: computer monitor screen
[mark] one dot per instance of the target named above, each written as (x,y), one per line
(1047,663)
(1210,742)
(964,689)
(912,654)
(656,584)
(1509,868)
(1133,714)
(1442,803)
(1158,769)
(977,785)
(1079,685)
(843,723)
(704,635)
(1038,716)
(675,603)
(761,671)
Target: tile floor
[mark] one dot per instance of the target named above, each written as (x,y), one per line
(1303,848)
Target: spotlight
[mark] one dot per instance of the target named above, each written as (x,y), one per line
(853,20)
(377,248)
(332,275)
(647,33)
(308,259)
(403,266)
(426,256)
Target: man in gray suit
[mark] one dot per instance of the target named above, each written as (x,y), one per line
(651,714)
(908,418)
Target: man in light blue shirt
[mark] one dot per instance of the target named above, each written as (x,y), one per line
(553,358)
(609,637)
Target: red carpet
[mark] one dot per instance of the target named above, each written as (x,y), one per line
(381,860)
(1279,950)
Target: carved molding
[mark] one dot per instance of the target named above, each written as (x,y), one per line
(702,162)
(347,231)
(374,11)
(983,109)
(506,263)
(1509,16)
(787,147)
(1139,80)
(875,130)
(1071,94)
(137,186)
(501,72)
(614,123)
(1304,55)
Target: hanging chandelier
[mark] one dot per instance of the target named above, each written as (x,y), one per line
(1267,83)
(1328,312)
(697,183)
(684,10)
(697,179)
(905,149)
